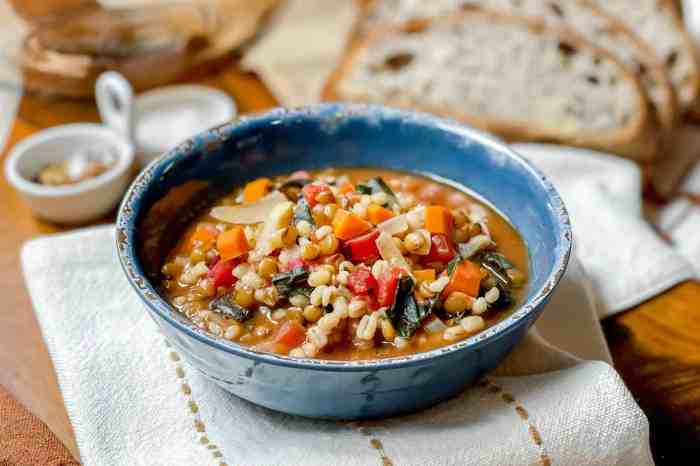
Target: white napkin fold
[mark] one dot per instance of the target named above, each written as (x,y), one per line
(300,48)
(625,258)
(123,389)
(133,401)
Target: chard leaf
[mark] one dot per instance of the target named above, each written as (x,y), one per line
(497,266)
(452,265)
(226,306)
(496,259)
(377,185)
(363,189)
(303,212)
(497,273)
(407,314)
(295,183)
(292,282)
(292,188)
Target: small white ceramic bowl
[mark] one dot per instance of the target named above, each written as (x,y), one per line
(75,203)
(158,120)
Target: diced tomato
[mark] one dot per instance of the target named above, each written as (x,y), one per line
(291,334)
(222,273)
(361,280)
(312,190)
(386,290)
(440,250)
(295,263)
(363,248)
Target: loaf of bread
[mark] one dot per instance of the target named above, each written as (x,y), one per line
(583,18)
(518,78)
(658,23)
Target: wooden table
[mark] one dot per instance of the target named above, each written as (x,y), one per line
(656,346)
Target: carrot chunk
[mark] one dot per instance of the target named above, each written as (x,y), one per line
(425,275)
(346,188)
(203,235)
(291,334)
(347,225)
(255,190)
(377,214)
(465,278)
(438,220)
(232,243)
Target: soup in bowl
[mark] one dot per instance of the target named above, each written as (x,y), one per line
(343,261)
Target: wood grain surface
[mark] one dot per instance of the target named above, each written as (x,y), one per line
(656,346)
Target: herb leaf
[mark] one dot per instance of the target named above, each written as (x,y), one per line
(497,266)
(497,259)
(303,212)
(363,189)
(376,185)
(226,306)
(452,265)
(292,188)
(292,282)
(407,314)
(295,183)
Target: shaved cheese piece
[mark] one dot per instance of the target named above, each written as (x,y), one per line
(391,253)
(434,325)
(424,250)
(475,244)
(279,217)
(394,226)
(248,214)
(416,217)
(478,215)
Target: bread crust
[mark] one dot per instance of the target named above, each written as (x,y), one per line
(667,115)
(638,140)
(694,83)
(669,7)
(665,110)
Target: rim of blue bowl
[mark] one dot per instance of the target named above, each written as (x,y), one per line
(130,208)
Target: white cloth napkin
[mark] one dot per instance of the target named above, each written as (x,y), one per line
(133,401)
(301,46)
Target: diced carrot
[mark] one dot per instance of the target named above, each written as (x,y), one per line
(346,188)
(203,235)
(255,190)
(232,243)
(347,225)
(438,220)
(465,278)
(377,214)
(425,275)
(291,334)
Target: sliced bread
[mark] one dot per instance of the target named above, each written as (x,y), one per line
(657,22)
(586,20)
(517,78)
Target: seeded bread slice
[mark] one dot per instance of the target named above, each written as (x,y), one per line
(658,23)
(514,77)
(585,19)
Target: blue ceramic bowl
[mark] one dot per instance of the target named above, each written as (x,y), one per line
(337,135)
